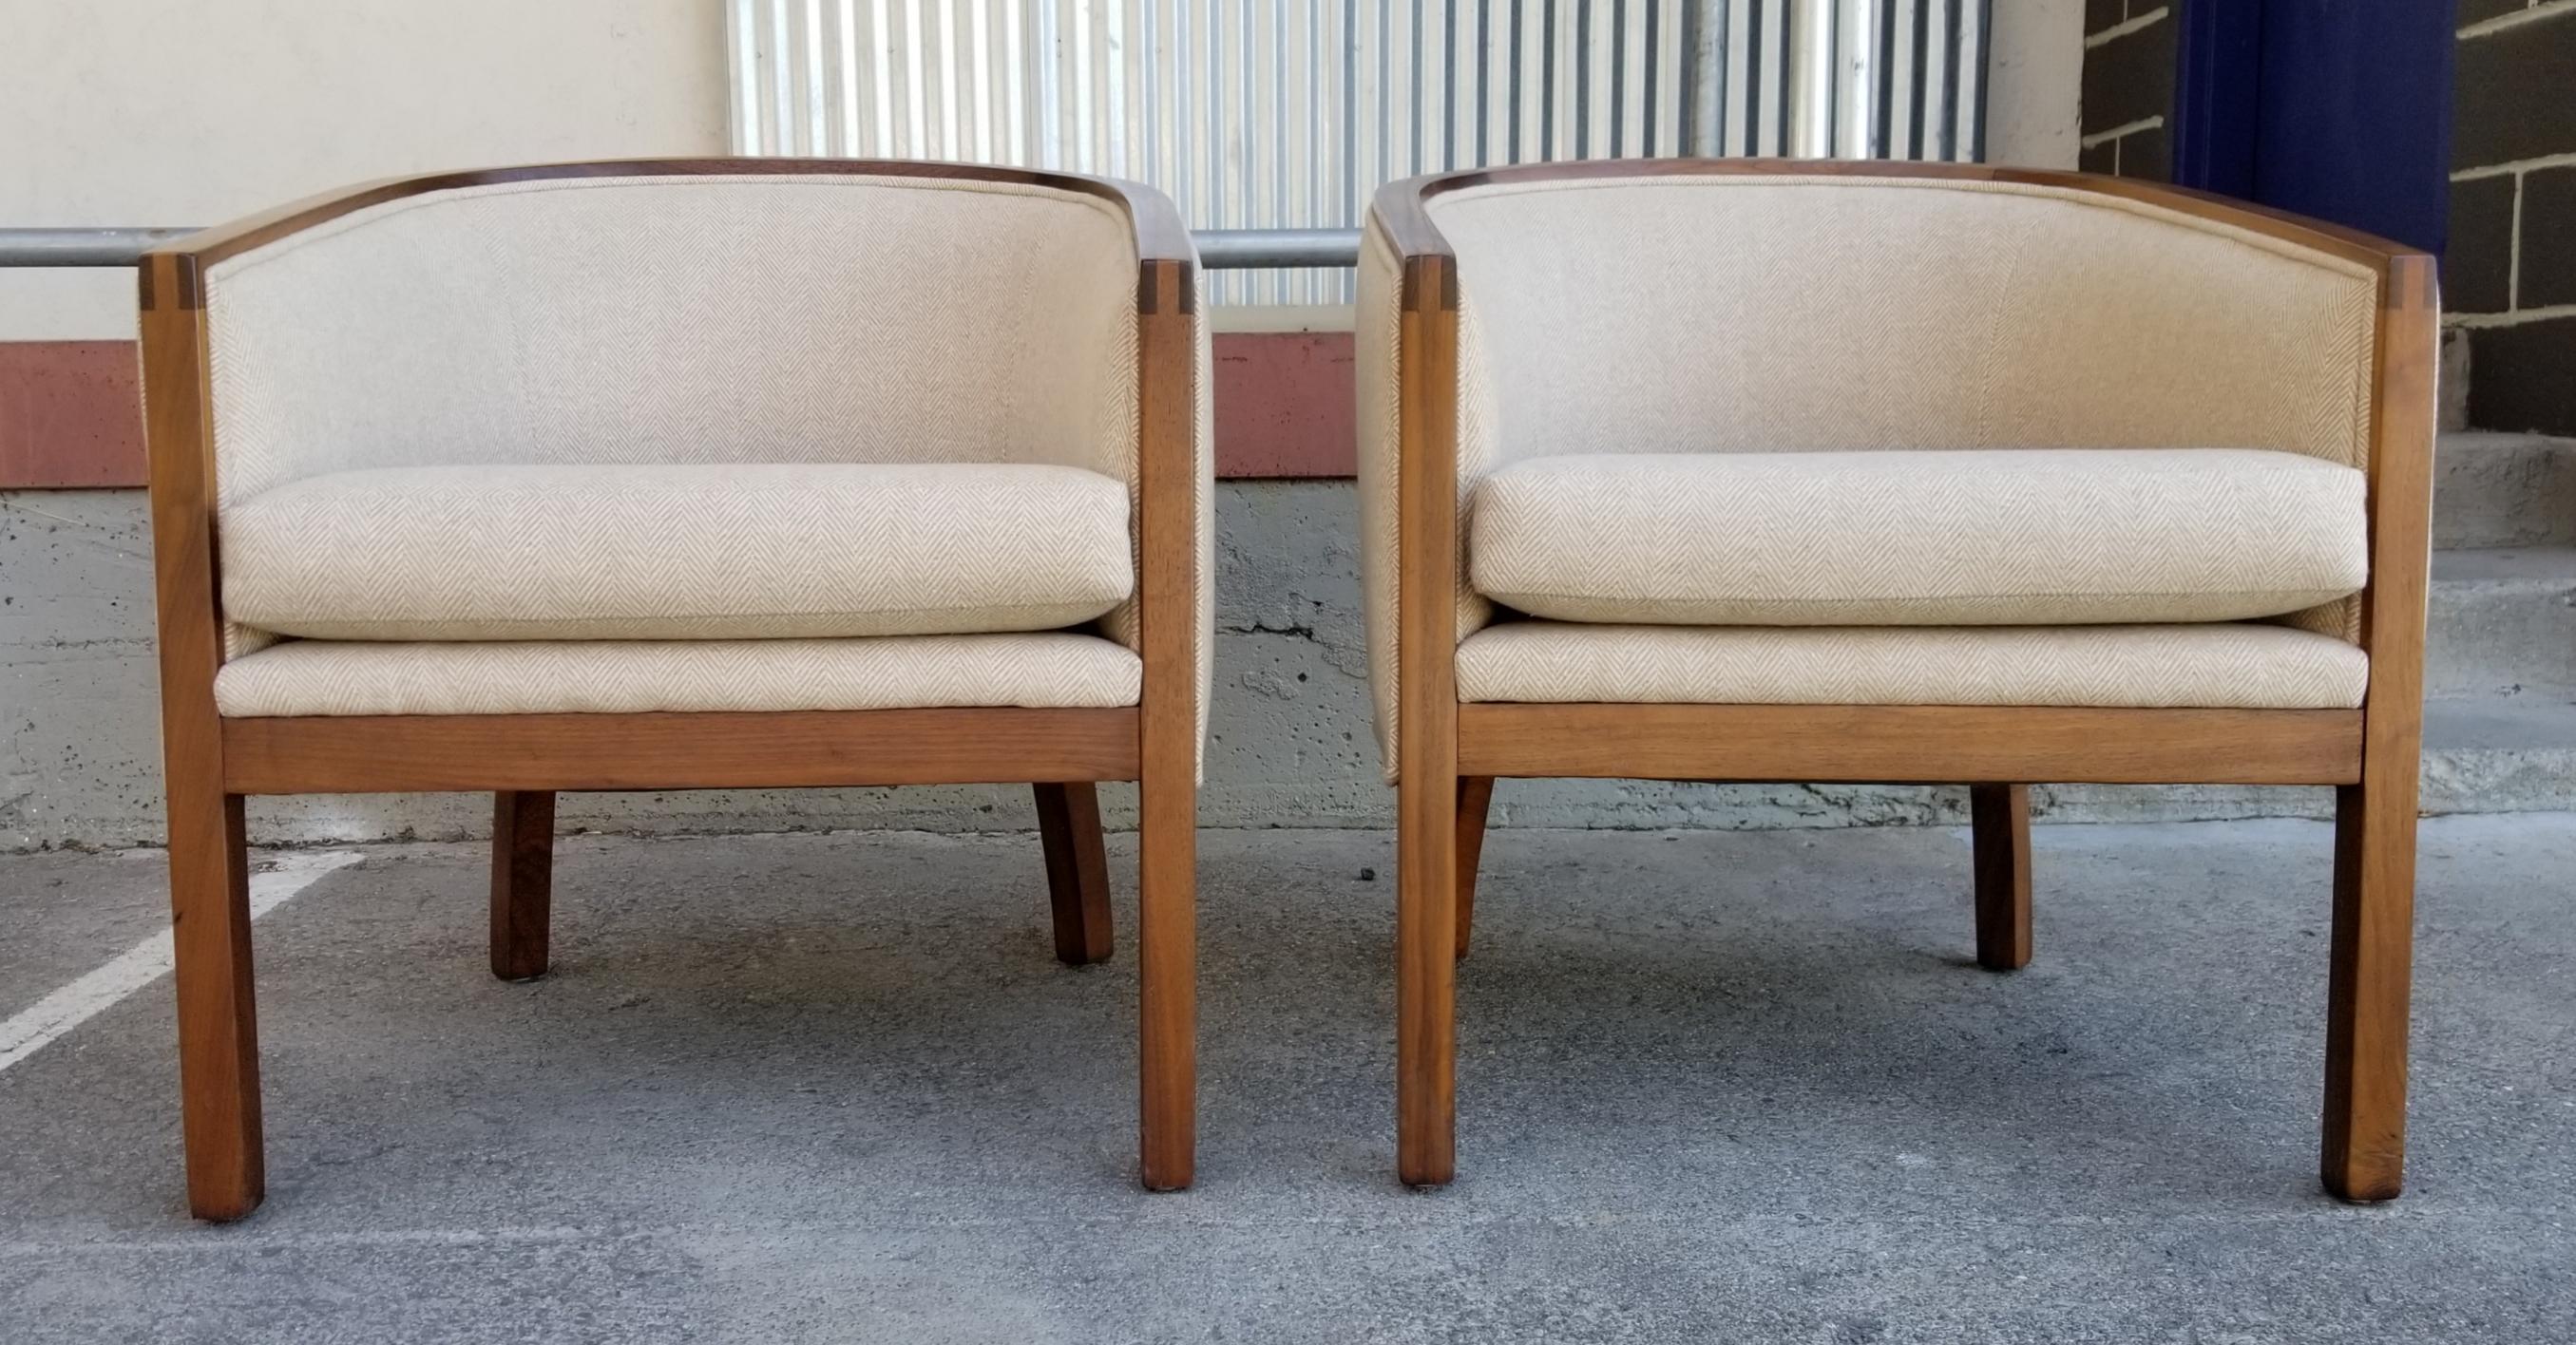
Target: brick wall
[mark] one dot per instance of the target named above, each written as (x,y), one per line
(2509,281)
(2129,87)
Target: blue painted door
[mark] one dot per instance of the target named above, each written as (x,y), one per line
(2340,109)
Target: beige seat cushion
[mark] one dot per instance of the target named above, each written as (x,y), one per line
(677,552)
(1040,670)
(2226,666)
(1905,538)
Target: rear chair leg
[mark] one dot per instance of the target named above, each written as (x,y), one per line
(1077,866)
(2364,1155)
(1999,819)
(1475,798)
(523,880)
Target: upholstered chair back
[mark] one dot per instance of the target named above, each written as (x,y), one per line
(776,318)
(1718,312)
(1721,311)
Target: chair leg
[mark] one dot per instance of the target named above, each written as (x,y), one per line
(1999,820)
(1077,867)
(1166,961)
(2364,1151)
(218,1018)
(1475,799)
(1426,953)
(523,880)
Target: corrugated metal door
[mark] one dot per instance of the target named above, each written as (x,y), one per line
(1271,114)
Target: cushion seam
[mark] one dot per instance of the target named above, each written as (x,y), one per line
(715,616)
(1501,596)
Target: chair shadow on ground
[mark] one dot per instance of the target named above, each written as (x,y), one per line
(843,1009)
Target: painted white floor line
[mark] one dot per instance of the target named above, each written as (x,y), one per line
(32,1028)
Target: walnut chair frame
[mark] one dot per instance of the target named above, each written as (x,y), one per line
(212,763)
(1448,754)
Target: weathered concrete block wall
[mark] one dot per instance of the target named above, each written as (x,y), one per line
(2129,87)
(2509,272)
(2510,276)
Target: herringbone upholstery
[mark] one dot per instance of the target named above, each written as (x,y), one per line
(316,677)
(779,319)
(1977,538)
(2224,665)
(729,319)
(1747,313)
(751,551)
(702,322)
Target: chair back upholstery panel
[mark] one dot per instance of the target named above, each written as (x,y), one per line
(1691,313)
(679,319)
(1867,313)
(764,318)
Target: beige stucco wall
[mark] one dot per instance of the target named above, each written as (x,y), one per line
(2035,94)
(196,111)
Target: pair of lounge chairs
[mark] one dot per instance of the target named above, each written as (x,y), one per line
(766,473)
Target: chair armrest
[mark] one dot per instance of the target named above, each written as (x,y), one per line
(1163,245)
(1174,541)
(1416,689)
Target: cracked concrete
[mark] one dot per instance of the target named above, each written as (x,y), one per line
(1712,1087)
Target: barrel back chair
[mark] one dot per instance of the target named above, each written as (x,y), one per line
(679,474)
(1768,471)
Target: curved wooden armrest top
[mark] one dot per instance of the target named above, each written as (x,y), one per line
(172,274)
(1403,206)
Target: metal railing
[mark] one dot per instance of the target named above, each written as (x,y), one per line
(81,247)
(1219,249)
(1276,249)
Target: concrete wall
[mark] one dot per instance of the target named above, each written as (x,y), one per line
(2128,87)
(126,112)
(2035,89)
(2509,268)
(79,735)
(2510,276)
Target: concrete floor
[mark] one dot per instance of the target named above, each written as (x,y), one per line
(1712,1086)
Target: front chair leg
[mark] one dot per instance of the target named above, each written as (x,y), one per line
(1426,967)
(218,1021)
(1077,867)
(523,880)
(2364,1155)
(1999,824)
(1166,961)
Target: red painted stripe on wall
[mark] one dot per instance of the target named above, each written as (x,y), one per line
(70,413)
(1284,405)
